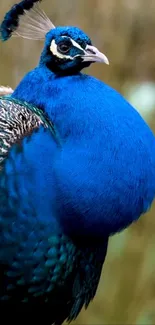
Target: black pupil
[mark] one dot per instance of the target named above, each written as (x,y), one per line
(64,46)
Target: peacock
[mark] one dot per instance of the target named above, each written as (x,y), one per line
(77,165)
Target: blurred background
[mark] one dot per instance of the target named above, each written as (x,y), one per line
(124,30)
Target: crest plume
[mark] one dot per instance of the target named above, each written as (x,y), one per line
(26,19)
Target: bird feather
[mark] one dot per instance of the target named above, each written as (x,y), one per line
(26,20)
(17,120)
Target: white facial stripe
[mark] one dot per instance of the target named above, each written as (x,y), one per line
(75,44)
(53,49)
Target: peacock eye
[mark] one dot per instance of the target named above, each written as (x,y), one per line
(64,46)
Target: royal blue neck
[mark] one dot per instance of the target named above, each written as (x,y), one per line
(103,176)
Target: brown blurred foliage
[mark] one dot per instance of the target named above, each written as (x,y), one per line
(124,31)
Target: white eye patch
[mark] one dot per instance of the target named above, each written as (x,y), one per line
(53,49)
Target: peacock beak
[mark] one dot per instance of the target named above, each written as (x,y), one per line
(92,54)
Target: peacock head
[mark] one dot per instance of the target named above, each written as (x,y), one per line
(67,49)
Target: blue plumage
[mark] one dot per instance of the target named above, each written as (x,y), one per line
(61,200)
(101,160)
